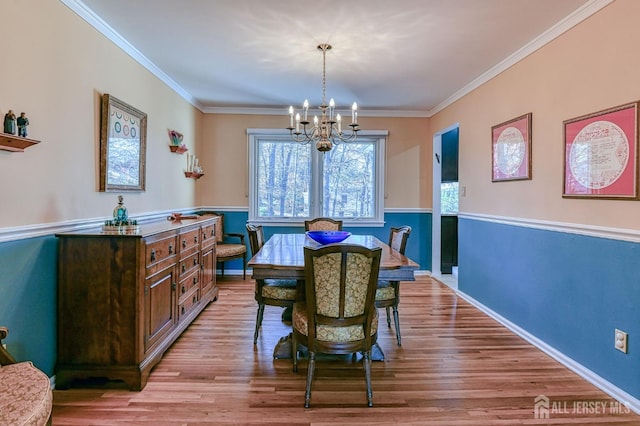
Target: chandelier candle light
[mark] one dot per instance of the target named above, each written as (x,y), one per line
(326,130)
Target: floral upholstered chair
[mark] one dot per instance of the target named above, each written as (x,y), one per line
(271,291)
(226,249)
(25,392)
(338,315)
(323,224)
(388,293)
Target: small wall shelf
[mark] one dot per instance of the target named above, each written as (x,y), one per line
(178,149)
(193,175)
(15,143)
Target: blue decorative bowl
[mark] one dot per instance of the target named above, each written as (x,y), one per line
(328,237)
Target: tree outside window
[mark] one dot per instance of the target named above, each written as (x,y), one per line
(292,182)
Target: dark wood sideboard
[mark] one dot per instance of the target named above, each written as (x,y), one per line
(124,299)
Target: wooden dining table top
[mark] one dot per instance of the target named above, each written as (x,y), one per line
(282,256)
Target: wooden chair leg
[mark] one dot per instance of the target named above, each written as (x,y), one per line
(286,314)
(310,369)
(388,317)
(294,352)
(244,267)
(396,319)
(366,362)
(258,322)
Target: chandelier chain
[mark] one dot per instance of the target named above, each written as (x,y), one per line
(324,74)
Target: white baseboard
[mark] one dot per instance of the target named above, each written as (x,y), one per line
(615,392)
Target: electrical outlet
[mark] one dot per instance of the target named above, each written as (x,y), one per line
(621,341)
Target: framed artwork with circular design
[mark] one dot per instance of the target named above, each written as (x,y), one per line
(511,149)
(601,154)
(123,145)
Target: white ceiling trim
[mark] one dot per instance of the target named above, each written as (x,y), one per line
(105,29)
(283,111)
(569,22)
(563,26)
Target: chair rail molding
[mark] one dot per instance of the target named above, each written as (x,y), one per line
(621,234)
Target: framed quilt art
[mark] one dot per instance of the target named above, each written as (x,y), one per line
(601,154)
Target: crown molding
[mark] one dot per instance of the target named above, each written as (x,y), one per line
(105,29)
(283,112)
(569,22)
(552,33)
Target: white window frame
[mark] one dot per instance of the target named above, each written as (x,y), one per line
(378,136)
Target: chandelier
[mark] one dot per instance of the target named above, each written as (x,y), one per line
(326,130)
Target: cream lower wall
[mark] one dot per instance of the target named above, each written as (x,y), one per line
(592,67)
(224,153)
(55,67)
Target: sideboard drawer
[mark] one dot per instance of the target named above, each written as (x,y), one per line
(187,264)
(187,284)
(189,242)
(160,253)
(208,235)
(190,302)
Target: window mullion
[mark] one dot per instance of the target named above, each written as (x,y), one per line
(316,183)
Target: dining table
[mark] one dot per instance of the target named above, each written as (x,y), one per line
(282,257)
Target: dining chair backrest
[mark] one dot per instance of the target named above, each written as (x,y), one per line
(323,224)
(341,281)
(339,314)
(398,238)
(388,294)
(273,292)
(256,237)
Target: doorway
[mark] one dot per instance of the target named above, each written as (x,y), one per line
(444,249)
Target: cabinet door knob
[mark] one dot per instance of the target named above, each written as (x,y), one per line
(195,280)
(184,267)
(195,261)
(153,255)
(184,243)
(184,290)
(195,239)
(170,248)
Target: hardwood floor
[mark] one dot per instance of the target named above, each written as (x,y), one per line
(456,366)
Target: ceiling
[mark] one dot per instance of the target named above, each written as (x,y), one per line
(401,57)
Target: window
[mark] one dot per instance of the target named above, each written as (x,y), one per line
(290,182)
(449,198)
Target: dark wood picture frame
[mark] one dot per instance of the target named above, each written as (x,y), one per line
(511,149)
(601,154)
(123,146)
